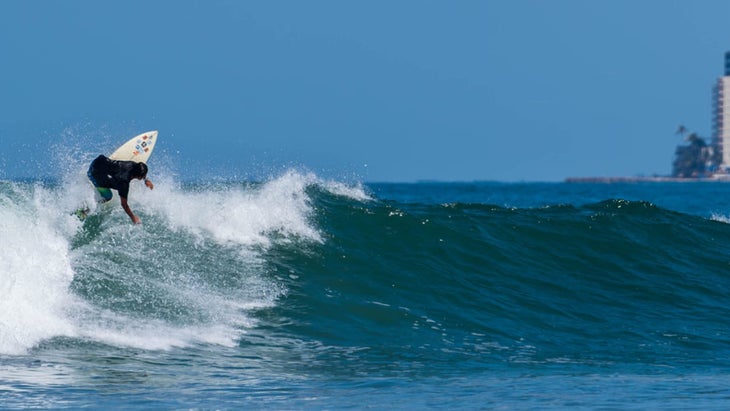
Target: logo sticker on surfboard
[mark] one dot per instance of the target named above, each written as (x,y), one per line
(137,148)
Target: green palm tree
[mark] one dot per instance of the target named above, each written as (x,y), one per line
(681,130)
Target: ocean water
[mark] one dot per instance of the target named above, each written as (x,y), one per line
(304,293)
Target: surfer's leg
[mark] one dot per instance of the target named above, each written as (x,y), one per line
(106,194)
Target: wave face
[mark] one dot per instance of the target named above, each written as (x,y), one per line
(470,285)
(298,283)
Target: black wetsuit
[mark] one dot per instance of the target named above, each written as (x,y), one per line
(115,174)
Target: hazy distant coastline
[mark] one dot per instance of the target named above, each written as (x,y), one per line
(653,179)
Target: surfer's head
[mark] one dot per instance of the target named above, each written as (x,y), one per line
(139,171)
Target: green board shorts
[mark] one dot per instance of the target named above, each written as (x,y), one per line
(106,193)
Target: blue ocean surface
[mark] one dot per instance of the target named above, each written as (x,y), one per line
(304,293)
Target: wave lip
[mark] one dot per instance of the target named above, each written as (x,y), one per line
(192,273)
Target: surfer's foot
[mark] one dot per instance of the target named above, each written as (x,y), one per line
(82,213)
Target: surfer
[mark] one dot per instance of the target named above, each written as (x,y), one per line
(107,174)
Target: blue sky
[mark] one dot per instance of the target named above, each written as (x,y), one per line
(519,90)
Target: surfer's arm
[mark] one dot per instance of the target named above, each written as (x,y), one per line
(128,210)
(148,183)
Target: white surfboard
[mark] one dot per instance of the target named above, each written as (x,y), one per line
(137,149)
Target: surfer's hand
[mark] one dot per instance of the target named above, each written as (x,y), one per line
(149,184)
(136,220)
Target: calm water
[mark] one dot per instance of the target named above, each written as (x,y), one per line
(300,293)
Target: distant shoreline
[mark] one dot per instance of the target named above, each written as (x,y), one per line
(723,178)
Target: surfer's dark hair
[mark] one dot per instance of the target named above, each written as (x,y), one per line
(140,170)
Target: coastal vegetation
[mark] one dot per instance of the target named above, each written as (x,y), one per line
(695,158)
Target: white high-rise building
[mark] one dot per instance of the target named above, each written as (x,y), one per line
(721,117)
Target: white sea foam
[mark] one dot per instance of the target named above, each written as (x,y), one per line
(355,192)
(35,271)
(118,330)
(37,268)
(239,215)
(720,218)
